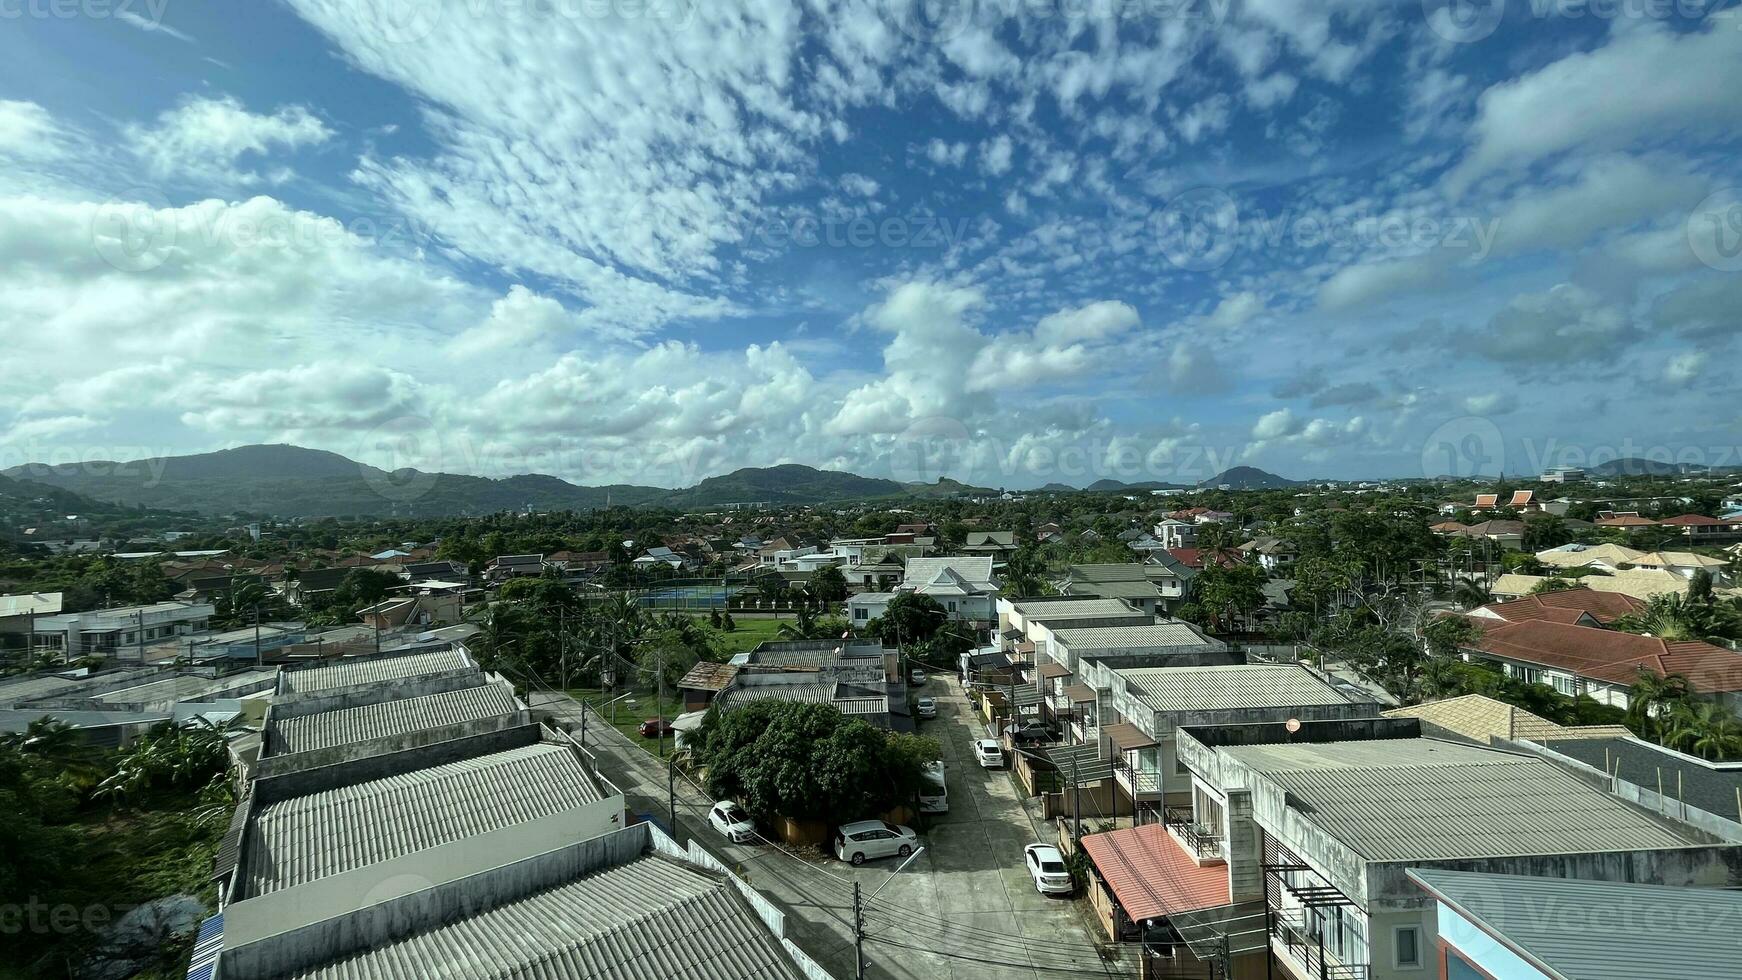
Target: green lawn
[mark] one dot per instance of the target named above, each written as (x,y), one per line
(749,633)
(632,710)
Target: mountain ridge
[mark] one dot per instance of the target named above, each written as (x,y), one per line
(294,482)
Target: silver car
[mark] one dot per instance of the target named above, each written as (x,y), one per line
(864,840)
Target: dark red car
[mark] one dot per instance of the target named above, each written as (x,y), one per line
(651,728)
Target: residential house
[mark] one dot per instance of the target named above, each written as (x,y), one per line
(703,682)
(996,544)
(1049,533)
(1609,557)
(504,567)
(1702,530)
(1026,625)
(1506,535)
(1317,825)
(1640,583)
(18,612)
(1623,520)
(1604,664)
(863,607)
(1128,581)
(432,608)
(1515,926)
(1274,554)
(122,632)
(1581,607)
(1174,532)
(1194,558)
(1489,722)
(1686,564)
(446,570)
(312,583)
(963,585)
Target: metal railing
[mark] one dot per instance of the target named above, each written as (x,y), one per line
(1307,950)
(1183,824)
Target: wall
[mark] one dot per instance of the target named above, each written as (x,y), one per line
(298,926)
(301,927)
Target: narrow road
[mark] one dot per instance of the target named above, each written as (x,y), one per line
(965,909)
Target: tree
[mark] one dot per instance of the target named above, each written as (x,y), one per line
(1229,593)
(1448,635)
(1652,699)
(1706,729)
(808,761)
(828,585)
(1555,584)
(1025,571)
(909,618)
(1470,593)
(1670,616)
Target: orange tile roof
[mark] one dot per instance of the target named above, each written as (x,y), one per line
(1613,657)
(1152,876)
(1567,605)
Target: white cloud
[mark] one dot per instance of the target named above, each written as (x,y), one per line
(1276,425)
(1492,403)
(859,185)
(995,155)
(1684,367)
(1235,310)
(1580,100)
(151,25)
(946,154)
(207,138)
(28,132)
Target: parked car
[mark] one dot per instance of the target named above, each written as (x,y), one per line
(1031,732)
(934,791)
(989,752)
(732,822)
(1047,867)
(926,707)
(917,677)
(864,840)
(651,728)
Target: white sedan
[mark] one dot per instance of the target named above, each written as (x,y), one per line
(732,822)
(989,752)
(1047,867)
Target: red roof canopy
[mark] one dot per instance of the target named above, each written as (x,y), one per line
(1152,876)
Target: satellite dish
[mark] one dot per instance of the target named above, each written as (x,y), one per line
(1293,725)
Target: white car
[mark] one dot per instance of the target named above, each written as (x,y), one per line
(1047,867)
(989,752)
(926,707)
(918,677)
(863,840)
(732,822)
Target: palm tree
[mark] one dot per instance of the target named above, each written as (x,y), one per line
(803,627)
(1470,593)
(1652,699)
(1671,616)
(1706,729)
(249,595)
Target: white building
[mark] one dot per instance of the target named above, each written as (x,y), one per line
(117,631)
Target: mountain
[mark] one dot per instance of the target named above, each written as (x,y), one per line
(292,482)
(1115,486)
(1248,478)
(1634,466)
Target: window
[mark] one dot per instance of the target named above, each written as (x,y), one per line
(1563,684)
(1407,947)
(860,612)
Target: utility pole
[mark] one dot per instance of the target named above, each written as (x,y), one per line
(858,935)
(671,793)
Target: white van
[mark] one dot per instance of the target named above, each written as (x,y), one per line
(934,796)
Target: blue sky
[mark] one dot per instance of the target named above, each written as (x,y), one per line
(1009,241)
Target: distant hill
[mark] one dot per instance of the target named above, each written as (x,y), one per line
(1249,478)
(289,482)
(1116,486)
(1634,466)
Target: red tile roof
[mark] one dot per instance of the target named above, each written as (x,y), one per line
(1567,605)
(1693,520)
(1194,557)
(1487,499)
(1152,876)
(1625,520)
(1611,656)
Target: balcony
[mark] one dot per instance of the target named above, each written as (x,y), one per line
(1200,841)
(1305,955)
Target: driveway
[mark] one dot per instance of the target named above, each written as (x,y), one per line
(965,908)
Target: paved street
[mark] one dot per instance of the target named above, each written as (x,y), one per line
(965,908)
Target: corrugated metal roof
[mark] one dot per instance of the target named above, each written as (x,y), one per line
(1424,800)
(649,918)
(1170,634)
(1081,762)
(1238,686)
(1075,609)
(309,837)
(187,688)
(329,728)
(1649,932)
(371,670)
(1151,875)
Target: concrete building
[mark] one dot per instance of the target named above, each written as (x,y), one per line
(1317,826)
(964,586)
(1026,625)
(18,614)
(121,632)
(1149,588)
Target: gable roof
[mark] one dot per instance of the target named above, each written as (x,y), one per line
(1613,555)
(30,604)
(1566,606)
(1613,657)
(1640,583)
(651,917)
(1227,687)
(963,574)
(1480,717)
(308,733)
